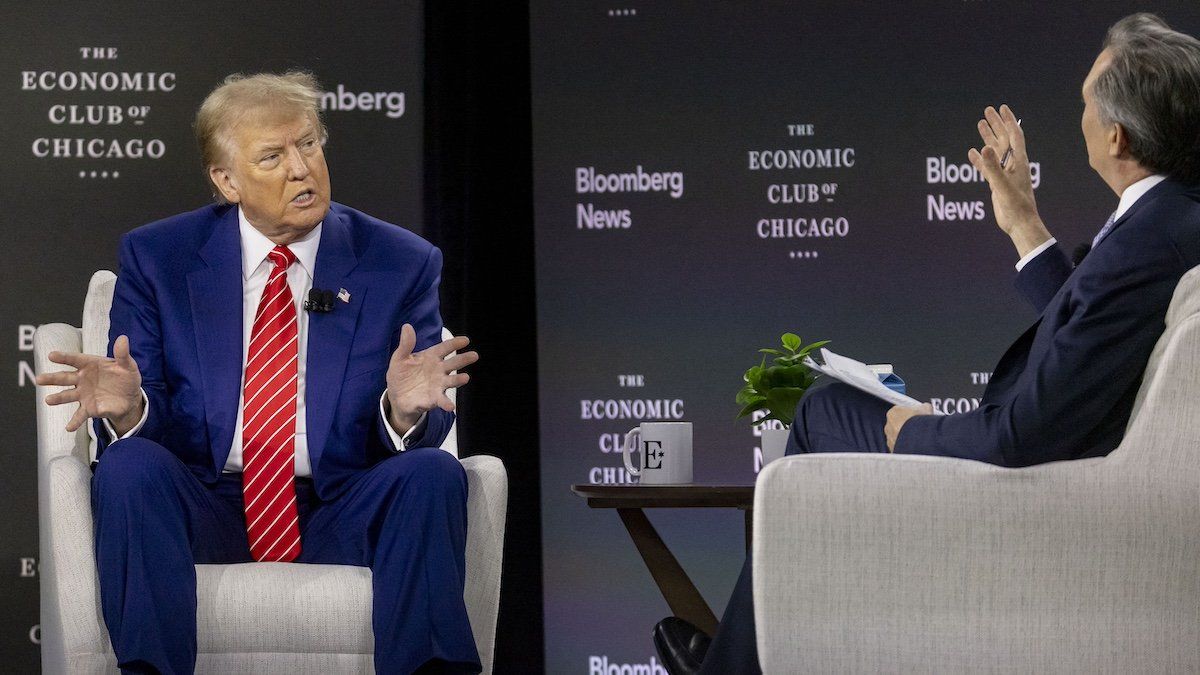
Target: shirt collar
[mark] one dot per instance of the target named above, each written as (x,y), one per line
(1135,192)
(256,246)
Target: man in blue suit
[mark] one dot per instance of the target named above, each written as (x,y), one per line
(1065,388)
(237,425)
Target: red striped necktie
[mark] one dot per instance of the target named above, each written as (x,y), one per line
(269,421)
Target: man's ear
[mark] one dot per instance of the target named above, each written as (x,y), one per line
(1118,141)
(225,182)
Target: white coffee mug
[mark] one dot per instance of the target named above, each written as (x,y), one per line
(666,452)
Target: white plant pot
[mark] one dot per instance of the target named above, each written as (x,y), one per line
(774,442)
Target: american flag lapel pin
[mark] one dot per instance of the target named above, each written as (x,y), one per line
(343,295)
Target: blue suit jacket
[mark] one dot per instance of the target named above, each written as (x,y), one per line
(1066,387)
(179,299)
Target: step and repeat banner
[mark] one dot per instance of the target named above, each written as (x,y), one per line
(97,105)
(710,175)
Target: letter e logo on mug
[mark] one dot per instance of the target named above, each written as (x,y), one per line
(666,452)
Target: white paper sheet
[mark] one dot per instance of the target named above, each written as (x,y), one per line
(859,376)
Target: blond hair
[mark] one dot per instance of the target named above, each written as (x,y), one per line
(294,92)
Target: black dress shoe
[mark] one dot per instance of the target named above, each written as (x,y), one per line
(680,645)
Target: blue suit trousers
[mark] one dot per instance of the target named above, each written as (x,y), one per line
(836,418)
(405,518)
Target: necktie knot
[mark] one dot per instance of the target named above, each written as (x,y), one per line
(282,257)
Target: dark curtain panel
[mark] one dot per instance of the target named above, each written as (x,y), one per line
(478,209)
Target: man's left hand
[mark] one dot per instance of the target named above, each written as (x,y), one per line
(1013,202)
(417,382)
(897,416)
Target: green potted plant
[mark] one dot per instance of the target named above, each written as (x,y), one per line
(777,389)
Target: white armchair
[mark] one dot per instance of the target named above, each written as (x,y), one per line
(325,609)
(882,563)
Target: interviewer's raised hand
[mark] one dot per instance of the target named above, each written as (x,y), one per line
(1012,189)
(417,382)
(102,387)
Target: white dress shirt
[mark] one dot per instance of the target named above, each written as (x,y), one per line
(1128,198)
(256,270)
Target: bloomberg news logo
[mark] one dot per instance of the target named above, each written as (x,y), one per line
(600,665)
(390,103)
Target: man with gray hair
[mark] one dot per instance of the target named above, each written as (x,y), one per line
(238,422)
(1064,389)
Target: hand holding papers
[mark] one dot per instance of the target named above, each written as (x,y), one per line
(859,376)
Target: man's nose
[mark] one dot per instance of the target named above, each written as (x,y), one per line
(296,164)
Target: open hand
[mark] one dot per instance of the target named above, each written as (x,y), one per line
(102,387)
(897,416)
(1012,188)
(417,382)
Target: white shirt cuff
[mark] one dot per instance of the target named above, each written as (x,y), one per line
(112,433)
(1035,252)
(400,441)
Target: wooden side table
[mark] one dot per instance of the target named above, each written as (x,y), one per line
(676,586)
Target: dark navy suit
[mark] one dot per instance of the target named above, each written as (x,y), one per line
(1063,390)
(160,499)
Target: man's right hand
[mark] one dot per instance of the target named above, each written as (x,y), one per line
(103,387)
(1012,189)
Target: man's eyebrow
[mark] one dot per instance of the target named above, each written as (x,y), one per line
(268,145)
(277,145)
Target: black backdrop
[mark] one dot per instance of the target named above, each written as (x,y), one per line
(479,209)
